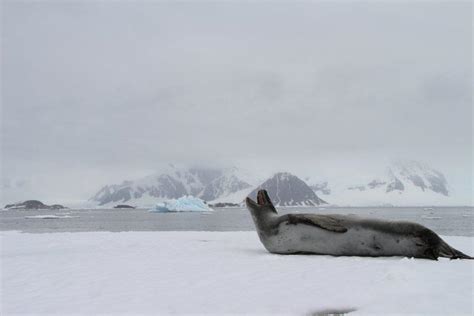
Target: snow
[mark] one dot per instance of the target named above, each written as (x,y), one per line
(412,195)
(157,273)
(236,197)
(340,180)
(145,201)
(183,204)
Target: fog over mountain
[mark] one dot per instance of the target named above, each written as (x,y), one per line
(402,183)
(95,93)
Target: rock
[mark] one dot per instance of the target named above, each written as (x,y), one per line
(225,204)
(124,206)
(322,188)
(396,184)
(33,205)
(356,187)
(286,189)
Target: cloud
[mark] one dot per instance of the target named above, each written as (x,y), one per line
(127,86)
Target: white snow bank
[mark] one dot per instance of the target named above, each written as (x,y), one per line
(158,273)
(183,204)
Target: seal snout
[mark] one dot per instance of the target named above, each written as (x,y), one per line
(250,202)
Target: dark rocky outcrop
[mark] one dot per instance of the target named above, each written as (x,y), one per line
(225,183)
(396,184)
(422,176)
(322,188)
(356,187)
(286,189)
(224,204)
(438,184)
(376,184)
(124,206)
(33,205)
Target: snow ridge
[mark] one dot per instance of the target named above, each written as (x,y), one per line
(404,183)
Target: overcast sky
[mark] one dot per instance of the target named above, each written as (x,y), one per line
(96,92)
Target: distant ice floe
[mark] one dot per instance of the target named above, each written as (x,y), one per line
(183,204)
(431,217)
(50,216)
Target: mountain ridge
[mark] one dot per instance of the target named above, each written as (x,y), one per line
(407,183)
(403,183)
(206,183)
(286,189)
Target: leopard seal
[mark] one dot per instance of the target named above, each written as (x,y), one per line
(344,235)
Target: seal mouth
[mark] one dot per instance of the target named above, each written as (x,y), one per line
(263,198)
(263,202)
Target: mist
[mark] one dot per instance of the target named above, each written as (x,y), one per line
(99,92)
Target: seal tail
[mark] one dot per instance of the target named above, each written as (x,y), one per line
(447,251)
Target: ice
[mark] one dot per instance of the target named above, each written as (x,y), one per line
(50,216)
(183,204)
(162,273)
(431,217)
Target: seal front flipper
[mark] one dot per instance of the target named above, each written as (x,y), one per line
(321,221)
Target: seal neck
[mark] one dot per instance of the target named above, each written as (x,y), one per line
(261,216)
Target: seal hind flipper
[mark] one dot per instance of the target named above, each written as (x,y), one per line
(447,251)
(436,247)
(321,221)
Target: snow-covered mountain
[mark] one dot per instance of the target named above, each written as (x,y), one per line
(402,183)
(206,183)
(409,183)
(286,189)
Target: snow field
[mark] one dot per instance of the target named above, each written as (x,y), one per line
(156,273)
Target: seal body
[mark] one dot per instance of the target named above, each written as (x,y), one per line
(340,235)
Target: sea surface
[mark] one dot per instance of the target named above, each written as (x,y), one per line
(451,221)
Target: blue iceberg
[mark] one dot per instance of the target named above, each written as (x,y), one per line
(183,204)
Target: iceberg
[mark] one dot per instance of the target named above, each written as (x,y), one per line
(183,204)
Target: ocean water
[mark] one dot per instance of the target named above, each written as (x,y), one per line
(450,221)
